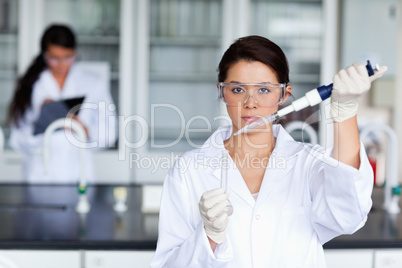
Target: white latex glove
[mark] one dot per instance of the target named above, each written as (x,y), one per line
(350,84)
(215,209)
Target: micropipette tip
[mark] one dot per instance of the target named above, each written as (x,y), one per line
(241,131)
(260,122)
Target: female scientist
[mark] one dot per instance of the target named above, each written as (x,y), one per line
(286,198)
(53,76)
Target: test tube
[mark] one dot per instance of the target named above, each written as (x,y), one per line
(224,170)
(224,177)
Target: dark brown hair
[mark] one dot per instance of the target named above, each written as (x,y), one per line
(60,35)
(255,48)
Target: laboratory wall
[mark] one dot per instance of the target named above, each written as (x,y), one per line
(163,54)
(375,35)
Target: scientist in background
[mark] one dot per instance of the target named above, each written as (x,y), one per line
(53,76)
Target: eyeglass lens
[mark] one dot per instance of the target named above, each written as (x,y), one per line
(53,61)
(238,95)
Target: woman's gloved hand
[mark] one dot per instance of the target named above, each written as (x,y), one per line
(215,209)
(350,84)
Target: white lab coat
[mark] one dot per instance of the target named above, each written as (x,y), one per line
(306,198)
(95,114)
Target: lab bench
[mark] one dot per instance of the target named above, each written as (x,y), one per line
(40,228)
(42,218)
(377,244)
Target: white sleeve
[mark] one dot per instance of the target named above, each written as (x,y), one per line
(22,138)
(341,195)
(182,242)
(98,114)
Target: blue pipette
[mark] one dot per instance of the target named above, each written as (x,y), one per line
(311,98)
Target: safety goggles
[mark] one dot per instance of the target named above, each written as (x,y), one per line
(263,94)
(55,61)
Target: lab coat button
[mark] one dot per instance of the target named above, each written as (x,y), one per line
(257,217)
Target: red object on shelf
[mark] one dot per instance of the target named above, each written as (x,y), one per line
(373,164)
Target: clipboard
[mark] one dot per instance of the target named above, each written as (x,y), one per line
(54,110)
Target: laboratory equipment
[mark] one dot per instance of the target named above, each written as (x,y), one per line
(311,98)
(392,188)
(120,195)
(151,198)
(83,205)
(1,141)
(224,176)
(305,130)
(224,170)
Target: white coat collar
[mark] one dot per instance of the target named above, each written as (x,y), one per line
(54,89)
(286,147)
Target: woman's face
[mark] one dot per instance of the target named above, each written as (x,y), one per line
(251,72)
(59,59)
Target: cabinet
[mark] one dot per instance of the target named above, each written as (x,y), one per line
(121,259)
(163,56)
(391,258)
(185,38)
(297,28)
(96,24)
(362,258)
(345,258)
(183,46)
(8,52)
(39,258)
(8,74)
(186,46)
(74,259)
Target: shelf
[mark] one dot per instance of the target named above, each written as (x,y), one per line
(8,74)
(185,41)
(304,78)
(289,1)
(166,135)
(114,76)
(8,38)
(98,40)
(212,77)
(183,77)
